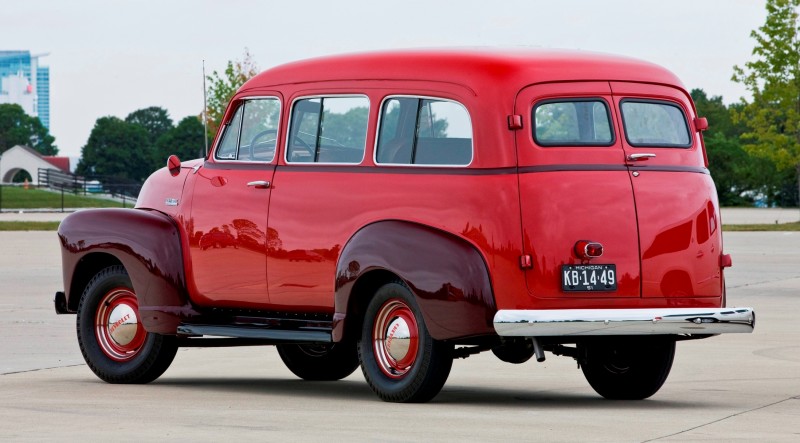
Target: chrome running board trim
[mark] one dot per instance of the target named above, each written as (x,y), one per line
(663,321)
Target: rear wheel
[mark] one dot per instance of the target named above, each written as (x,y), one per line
(628,368)
(112,339)
(320,362)
(399,358)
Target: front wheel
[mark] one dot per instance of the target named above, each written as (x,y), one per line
(112,339)
(399,358)
(320,362)
(627,368)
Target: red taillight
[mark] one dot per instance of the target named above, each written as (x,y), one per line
(586,249)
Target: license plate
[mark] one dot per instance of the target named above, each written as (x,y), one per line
(581,278)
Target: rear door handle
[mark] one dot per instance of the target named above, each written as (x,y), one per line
(639,157)
(259,184)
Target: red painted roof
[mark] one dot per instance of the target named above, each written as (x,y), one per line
(61,163)
(474,68)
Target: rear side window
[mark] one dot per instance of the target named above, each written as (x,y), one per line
(583,122)
(328,130)
(252,132)
(424,131)
(655,124)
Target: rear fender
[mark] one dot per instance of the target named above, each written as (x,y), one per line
(147,243)
(446,274)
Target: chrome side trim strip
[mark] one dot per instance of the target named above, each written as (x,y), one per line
(663,321)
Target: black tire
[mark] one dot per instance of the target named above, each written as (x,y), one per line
(320,362)
(419,366)
(122,351)
(628,368)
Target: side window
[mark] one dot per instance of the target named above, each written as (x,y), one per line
(422,131)
(328,130)
(252,132)
(656,124)
(228,145)
(583,122)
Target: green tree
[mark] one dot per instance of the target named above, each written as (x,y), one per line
(221,88)
(735,172)
(19,128)
(116,149)
(773,77)
(154,120)
(184,140)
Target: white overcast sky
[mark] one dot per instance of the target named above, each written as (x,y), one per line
(113,57)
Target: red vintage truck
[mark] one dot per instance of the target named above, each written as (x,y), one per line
(398,210)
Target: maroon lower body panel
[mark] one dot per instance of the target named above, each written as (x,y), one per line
(447,275)
(147,243)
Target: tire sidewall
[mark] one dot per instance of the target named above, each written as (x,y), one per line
(393,386)
(101,364)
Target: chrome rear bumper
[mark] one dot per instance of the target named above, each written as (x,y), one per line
(665,321)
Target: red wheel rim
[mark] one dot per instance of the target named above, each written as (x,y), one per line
(395,338)
(117,327)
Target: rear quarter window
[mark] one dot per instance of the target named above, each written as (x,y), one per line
(655,124)
(424,131)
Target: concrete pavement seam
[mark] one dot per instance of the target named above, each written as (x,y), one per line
(794,397)
(41,369)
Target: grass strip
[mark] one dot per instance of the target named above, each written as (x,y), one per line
(20,198)
(795,226)
(29,225)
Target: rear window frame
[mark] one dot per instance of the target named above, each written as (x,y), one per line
(656,145)
(609,117)
(421,165)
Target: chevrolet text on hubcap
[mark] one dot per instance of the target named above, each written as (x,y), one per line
(395,338)
(119,333)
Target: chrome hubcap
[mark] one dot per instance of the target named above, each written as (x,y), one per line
(123,324)
(398,339)
(119,333)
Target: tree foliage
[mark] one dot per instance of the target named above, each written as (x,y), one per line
(184,140)
(19,128)
(133,148)
(222,87)
(772,118)
(154,120)
(116,149)
(740,177)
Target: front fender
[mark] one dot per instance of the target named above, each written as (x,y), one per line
(147,243)
(447,275)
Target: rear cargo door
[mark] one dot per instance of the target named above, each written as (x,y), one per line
(575,187)
(676,202)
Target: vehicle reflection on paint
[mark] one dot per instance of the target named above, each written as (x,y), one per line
(218,238)
(677,255)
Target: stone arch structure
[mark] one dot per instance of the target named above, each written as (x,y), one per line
(24,158)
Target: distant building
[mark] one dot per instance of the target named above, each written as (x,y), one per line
(22,158)
(24,82)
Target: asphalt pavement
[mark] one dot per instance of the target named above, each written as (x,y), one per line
(735,387)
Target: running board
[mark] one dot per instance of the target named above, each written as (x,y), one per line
(256,333)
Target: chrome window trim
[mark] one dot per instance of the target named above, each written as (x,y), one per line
(323,96)
(422,97)
(674,104)
(588,98)
(238,140)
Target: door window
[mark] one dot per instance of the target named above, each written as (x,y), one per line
(328,130)
(655,124)
(583,122)
(252,133)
